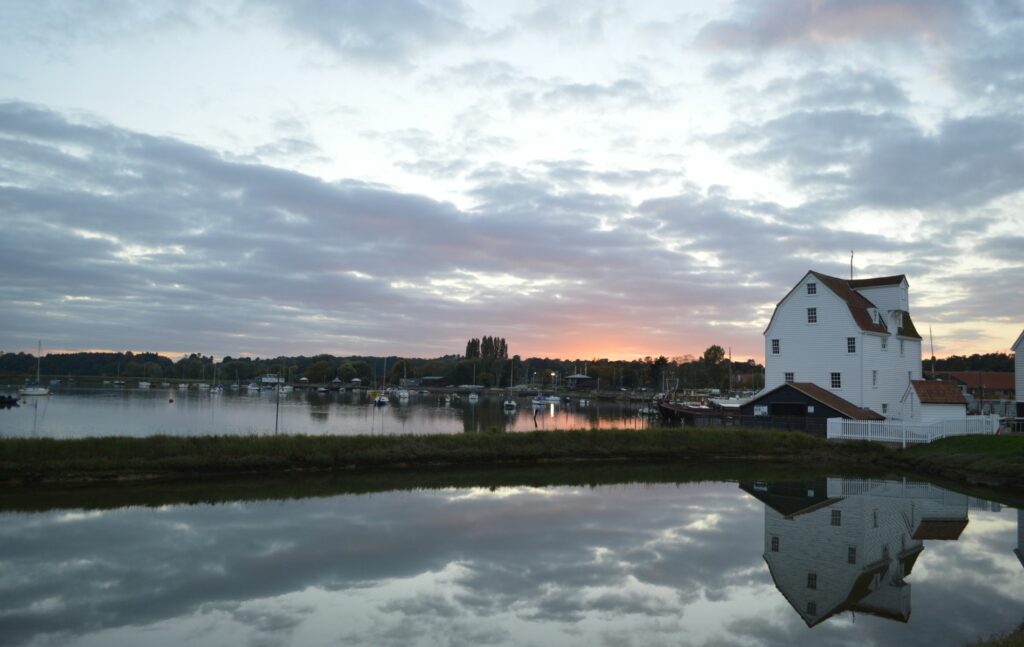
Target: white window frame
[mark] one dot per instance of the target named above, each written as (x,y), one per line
(812,289)
(812,315)
(835,380)
(789,377)
(851,344)
(874,378)
(885,343)
(776,347)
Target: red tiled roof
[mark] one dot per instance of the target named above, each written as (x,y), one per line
(938,392)
(994,380)
(947,529)
(877,282)
(856,301)
(829,399)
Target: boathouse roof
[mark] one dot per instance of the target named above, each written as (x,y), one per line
(933,392)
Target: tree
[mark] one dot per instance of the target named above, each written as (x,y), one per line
(714,365)
(346,372)
(320,371)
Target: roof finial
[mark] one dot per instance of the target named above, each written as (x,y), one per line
(851,264)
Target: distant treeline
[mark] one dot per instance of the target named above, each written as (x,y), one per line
(492,367)
(1002,362)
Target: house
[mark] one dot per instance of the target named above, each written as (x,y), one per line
(928,402)
(1018,369)
(852,338)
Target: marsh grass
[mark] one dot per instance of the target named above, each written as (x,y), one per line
(108,457)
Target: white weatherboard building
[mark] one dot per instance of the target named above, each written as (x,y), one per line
(1018,369)
(854,338)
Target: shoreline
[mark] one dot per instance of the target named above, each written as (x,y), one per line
(987,461)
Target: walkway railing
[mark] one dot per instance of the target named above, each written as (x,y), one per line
(896,431)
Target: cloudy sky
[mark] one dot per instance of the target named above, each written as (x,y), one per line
(586,179)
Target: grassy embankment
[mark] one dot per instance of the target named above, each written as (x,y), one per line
(39,459)
(984,460)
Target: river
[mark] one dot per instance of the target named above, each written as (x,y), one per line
(134,412)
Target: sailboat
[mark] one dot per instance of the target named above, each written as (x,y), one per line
(382,399)
(36,388)
(509,405)
(473,397)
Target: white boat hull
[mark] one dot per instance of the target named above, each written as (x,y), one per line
(34,390)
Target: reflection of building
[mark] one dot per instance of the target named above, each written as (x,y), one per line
(835,545)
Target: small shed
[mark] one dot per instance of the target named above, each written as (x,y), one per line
(804,400)
(926,402)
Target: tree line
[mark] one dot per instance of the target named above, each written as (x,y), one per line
(490,367)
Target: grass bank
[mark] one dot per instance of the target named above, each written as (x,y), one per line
(89,459)
(992,461)
(983,460)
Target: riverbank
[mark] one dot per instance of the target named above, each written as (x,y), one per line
(990,461)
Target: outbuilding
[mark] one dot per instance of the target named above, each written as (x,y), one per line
(803,400)
(927,402)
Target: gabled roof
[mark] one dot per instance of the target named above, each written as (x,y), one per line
(827,398)
(942,529)
(856,301)
(931,392)
(1016,345)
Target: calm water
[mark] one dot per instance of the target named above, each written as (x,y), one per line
(133,412)
(823,562)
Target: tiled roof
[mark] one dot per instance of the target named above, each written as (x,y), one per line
(995,380)
(878,281)
(908,329)
(856,301)
(938,392)
(947,529)
(829,399)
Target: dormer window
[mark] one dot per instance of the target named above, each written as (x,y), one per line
(812,288)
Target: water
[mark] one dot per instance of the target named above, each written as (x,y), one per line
(636,564)
(133,412)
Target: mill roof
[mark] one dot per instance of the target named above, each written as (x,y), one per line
(859,305)
(1017,344)
(931,392)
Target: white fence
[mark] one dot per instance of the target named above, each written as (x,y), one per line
(896,431)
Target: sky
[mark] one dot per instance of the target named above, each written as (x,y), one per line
(586,179)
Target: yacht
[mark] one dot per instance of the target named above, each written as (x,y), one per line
(36,388)
(381,400)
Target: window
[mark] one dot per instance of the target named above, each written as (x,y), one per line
(789,377)
(874,378)
(812,315)
(812,580)
(837,382)
(775,544)
(812,609)
(901,347)
(885,343)
(810,408)
(874,517)
(812,288)
(851,555)
(837,517)
(885,408)
(775,347)
(851,344)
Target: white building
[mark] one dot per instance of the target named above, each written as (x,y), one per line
(926,403)
(854,338)
(1018,369)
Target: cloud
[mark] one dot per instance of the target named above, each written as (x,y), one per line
(766,25)
(389,32)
